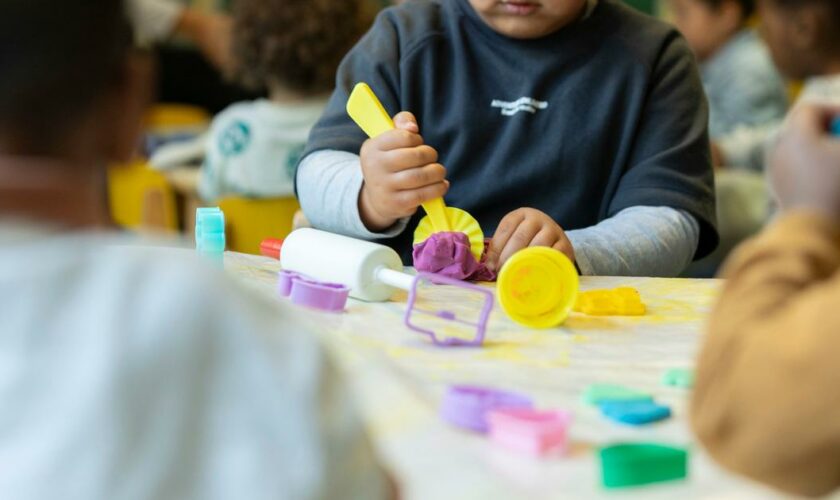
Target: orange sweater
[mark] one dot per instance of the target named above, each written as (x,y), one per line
(767,400)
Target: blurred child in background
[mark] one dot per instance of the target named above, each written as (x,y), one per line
(131,373)
(766,402)
(291,48)
(747,97)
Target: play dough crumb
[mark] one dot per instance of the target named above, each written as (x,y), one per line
(623,301)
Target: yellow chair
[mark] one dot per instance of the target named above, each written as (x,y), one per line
(249,221)
(141,198)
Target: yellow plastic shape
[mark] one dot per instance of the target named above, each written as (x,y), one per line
(537,287)
(367,111)
(622,301)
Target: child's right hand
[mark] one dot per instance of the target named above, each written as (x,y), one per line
(805,163)
(400,172)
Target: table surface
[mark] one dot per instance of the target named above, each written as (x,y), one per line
(400,378)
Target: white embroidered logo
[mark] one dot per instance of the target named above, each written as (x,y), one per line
(522,104)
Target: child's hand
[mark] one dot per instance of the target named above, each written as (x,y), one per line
(526,227)
(805,163)
(400,174)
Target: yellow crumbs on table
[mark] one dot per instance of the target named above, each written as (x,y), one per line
(622,301)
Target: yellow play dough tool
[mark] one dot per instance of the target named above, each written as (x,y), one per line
(365,109)
(538,287)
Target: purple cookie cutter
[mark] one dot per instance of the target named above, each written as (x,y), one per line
(480,325)
(468,406)
(305,291)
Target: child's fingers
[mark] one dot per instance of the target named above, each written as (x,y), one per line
(406,121)
(565,246)
(415,178)
(407,201)
(396,139)
(521,238)
(402,159)
(547,237)
(503,233)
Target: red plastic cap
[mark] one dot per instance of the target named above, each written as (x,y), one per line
(270,247)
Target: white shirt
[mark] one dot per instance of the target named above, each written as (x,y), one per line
(129,373)
(253,148)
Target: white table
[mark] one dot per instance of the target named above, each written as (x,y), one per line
(399,379)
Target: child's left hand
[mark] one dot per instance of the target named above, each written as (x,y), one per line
(522,228)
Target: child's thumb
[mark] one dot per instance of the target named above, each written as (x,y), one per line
(406,121)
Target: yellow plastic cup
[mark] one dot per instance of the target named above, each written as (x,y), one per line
(538,287)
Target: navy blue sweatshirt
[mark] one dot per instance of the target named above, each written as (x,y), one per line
(602,115)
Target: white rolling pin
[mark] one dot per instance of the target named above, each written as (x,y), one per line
(372,271)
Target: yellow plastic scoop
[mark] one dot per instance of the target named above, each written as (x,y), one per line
(366,110)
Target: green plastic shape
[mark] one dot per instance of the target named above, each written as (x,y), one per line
(636,464)
(679,377)
(601,393)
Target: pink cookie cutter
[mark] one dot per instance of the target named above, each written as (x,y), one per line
(479,326)
(301,290)
(535,432)
(468,406)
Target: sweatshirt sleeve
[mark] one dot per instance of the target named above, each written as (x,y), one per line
(766,402)
(638,241)
(670,162)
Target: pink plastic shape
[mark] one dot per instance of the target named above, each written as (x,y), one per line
(468,406)
(439,340)
(535,432)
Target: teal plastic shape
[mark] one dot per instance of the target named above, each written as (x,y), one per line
(835,126)
(679,377)
(210,233)
(637,464)
(597,394)
(635,412)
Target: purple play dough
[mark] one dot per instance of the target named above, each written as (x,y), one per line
(449,254)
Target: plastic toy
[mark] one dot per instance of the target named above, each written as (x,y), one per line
(210,233)
(530,431)
(624,301)
(835,126)
(373,272)
(270,247)
(367,111)
(303,291)
(642,463)
(603,393)
(479,326)
(537,287)
(469,406)
(679,377)
(635,412)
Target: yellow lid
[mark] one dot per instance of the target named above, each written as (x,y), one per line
(538,287)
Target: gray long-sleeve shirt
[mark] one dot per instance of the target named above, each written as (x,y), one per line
(638,241)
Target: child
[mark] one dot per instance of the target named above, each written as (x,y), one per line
(292,48)
(766,400)
(747,97)
(586,112)
(131,373)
